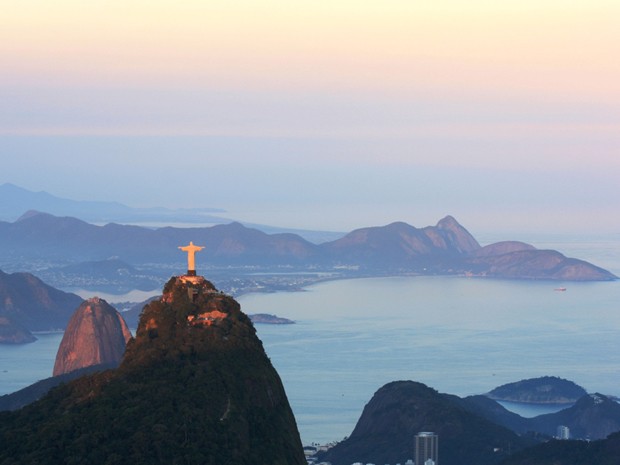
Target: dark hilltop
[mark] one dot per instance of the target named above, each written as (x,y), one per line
(194,386)
(399,410)
(476,430)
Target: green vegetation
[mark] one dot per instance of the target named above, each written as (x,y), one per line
(603,452)
(184,394)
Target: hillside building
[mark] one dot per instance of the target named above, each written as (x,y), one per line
(426,448)
(563,432)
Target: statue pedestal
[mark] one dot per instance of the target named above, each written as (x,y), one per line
(191,273)
(192,279)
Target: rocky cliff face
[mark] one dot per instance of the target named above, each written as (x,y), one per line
(195,386)
(402,245)
(457,235)
(96,334)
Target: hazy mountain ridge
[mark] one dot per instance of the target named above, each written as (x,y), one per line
(537,264)
(69,253)
(502,248)
(14,200)
(73,240)
(593,416)
(397,248)
(400,244)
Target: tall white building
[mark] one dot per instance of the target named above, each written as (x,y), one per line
(563,432)
(426,449)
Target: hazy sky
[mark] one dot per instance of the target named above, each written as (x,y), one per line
(320,114)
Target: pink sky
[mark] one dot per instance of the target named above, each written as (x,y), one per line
(365,100)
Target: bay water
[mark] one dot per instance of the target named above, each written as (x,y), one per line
(458,335)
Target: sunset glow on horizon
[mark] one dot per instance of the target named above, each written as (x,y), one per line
(392,48)
(483,84)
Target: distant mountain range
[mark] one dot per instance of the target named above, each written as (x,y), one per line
(593,416)
(14,201)
(66,251)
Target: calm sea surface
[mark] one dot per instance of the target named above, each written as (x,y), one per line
(458,335)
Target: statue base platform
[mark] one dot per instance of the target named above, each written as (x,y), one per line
(191,279)
(191,273)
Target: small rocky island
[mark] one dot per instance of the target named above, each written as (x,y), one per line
(267,319)
(543,390)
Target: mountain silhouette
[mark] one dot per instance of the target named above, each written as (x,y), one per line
(593,416)
(14,200)
(401,409)
(28,304)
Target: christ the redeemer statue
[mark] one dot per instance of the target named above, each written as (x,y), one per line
(191,250)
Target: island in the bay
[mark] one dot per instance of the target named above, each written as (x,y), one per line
(542,390)
(268,319)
